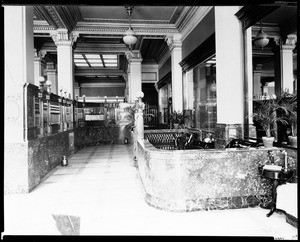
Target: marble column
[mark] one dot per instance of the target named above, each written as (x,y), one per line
(65,67)
(160,106)
(283,64)
(175,45)
(286,56)
(19,71)
(257,81)
(134,74)
(76,89)
(39,67)
(229,74)
(126,89)
(52,76)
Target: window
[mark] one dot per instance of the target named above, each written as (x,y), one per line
(205,96)
(96,60)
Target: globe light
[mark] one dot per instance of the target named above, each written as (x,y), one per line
(129,37)
(261,38)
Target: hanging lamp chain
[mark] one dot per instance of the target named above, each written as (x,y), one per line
(129,12)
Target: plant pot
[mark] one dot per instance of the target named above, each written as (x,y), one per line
(176,126)
(268,142)
(293,141)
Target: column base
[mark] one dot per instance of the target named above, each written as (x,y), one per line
(252,131)
(224,133)
(16,176)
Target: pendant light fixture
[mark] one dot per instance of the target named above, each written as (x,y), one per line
(130,37)
(261,39)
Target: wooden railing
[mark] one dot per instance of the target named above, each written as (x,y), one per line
(150,116)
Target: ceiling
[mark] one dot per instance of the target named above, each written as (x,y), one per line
(280,22)
(100,30)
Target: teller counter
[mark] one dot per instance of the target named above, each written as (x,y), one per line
(204,179)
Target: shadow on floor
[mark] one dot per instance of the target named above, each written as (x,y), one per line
(67,225)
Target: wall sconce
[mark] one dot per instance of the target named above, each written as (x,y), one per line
(41,80)
(213,87)
(61,90)
(48,83)
(261,38)
(130,37)
(65,92)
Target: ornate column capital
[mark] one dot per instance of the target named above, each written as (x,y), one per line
(134,56)
(61,37)
(39,55)
(291,39)
(173,41)
(290,42)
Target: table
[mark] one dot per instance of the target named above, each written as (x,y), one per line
(277,177)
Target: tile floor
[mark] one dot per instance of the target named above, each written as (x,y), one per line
(99,193)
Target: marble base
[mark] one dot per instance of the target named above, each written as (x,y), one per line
(25,164)
(190,180)
(191,205)
(224,133)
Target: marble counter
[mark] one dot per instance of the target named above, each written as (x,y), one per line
(190,180)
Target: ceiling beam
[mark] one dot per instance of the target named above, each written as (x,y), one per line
(103,62)
(251,14)
(43,12)
(98,72)
(91,47)
(84,57)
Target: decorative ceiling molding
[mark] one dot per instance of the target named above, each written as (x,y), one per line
(115,28)
(58,16)
(69,15)
(124,21)
(44,14)
(250,14)
(194,17)
(41,28)
(185,17)
(55,16)
(37,15)
(177,12)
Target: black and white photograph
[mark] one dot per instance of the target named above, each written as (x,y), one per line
(136,119)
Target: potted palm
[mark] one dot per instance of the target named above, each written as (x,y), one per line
(131,110)
(130,125)
(266,114)
(291,104)
(178,118)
